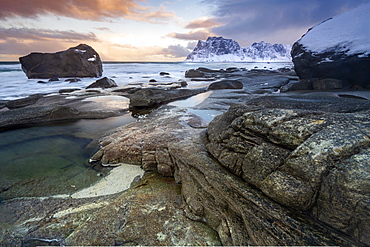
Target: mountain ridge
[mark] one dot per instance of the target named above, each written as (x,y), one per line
(219,49)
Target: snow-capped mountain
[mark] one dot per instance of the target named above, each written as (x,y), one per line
(218,49)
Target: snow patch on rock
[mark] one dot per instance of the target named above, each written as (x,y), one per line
(348,33)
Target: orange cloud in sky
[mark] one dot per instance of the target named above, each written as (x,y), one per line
(200,29)
(192,35)
(203,23)
(129,53)
(83,9)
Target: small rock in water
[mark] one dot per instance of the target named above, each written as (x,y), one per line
(152,80)
(103,83)
(68,90)
(164,73)
(73,80)
(54,78)
(183,83)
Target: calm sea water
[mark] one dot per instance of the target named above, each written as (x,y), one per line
(14,83)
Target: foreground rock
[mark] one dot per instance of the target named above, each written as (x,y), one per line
(341,53)
(79,61)
(306,160)
(148,214)
(288,169)
(38,109)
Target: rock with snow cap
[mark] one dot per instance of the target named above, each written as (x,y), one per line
(79,61)
(337,48)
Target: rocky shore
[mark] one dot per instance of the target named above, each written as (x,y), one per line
(272,169)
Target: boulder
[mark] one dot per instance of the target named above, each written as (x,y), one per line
(226,84)
(164,73)
(191,73)
(103,83)
(311,161)
(327,84)
(337,48)
(79,61)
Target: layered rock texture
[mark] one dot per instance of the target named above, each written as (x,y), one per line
(336,48)
(79,61)
(264,173)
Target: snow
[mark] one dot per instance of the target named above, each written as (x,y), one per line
(80,51)
(218,49)
(92,59)
(348,32)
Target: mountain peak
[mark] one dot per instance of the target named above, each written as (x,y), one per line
(219,49)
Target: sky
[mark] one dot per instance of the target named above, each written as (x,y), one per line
(154,30)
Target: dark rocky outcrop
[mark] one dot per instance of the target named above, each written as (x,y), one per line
(336,54)
(149,97)
(192,73)
(226,84)
(22,102)
(103,83)
(79,61)
(351,70)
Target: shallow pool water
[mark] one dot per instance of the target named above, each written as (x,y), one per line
(51,159)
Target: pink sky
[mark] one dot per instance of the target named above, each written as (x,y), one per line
(153,30)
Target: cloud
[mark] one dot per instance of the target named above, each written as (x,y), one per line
(45,34)
(248,21)
(16,42)
(13,48)
(202,23)
(191,45)
(192,35)
(127,52)
(176,51)
(200,29)
(83,9)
